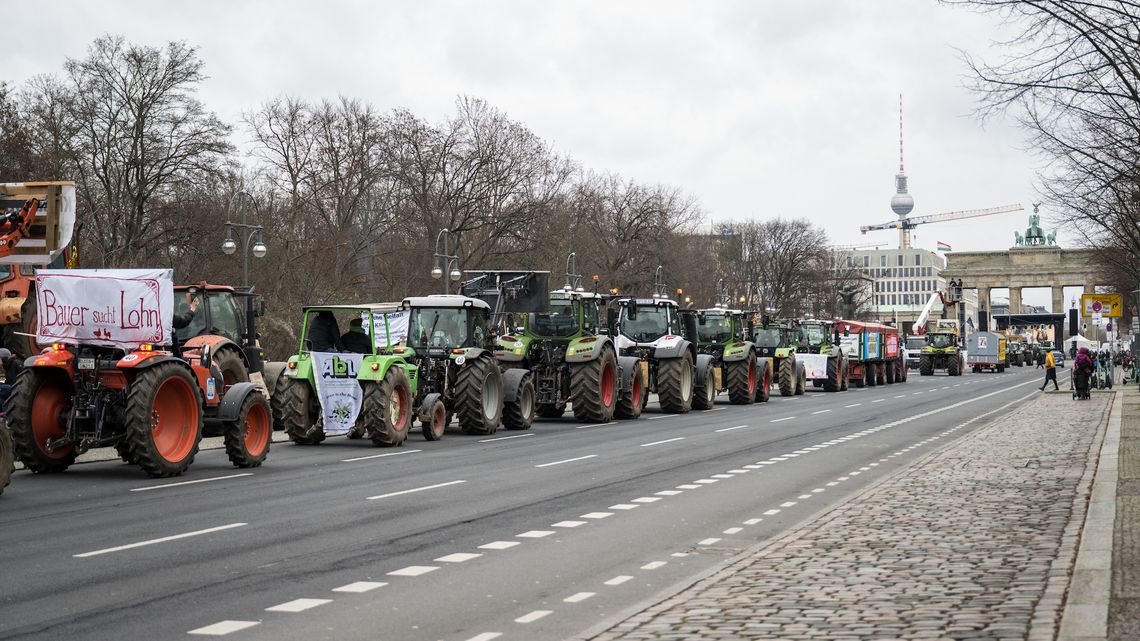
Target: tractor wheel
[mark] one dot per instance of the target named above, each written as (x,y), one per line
(123,449)
(880,374)
(248,438)
(832,383)
(844,375)
(740,379)
(232,367)
(7,458)
(787,376)
(387,408)
(889,372)
(925,365)
(801,379)
(550,410)
(24,344)
(296,411)
(593,388)
(954,367)
(764,387)
(675,383)
(164,419)
(435,425)
(519,413)
(632,399)
(479,396)
(704,395)
(869,374)
(901,373)
(34,413)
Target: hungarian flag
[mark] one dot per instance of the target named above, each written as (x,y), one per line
(943,247)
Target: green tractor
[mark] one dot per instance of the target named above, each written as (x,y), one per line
(825,362)
(572,360)
(726,360)
(778,340)
(941,351)
(327,390)
(450,340)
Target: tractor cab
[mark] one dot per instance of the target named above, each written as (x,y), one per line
(941,340)
(440,323)
(775,338)
(218,314)
(645,322)
(816,334)
(570,314)
(717,327)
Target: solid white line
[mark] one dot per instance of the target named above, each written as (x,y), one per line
(216,478)
(533,616)
(297,605)
(365,458)
(618,580)
(668,440)
(486,636)
(779,420)
(412,491)
(359,587)
(729,429)
(569,460)
(821,412)
(131,546)
(579,597)
(222,628)
(503,438)
(653,565)
(458,557)
(414,570)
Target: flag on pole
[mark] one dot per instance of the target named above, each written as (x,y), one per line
(970,323)
(943,247)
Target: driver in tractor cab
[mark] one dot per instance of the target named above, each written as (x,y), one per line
(183,320)
(356,340)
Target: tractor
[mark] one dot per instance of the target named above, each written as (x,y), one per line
(223,325)
(653,330)
(153,405)
(571,359)
(778,341)
(726,360)
(326,390)
(941,350)
(450,341)
(825,362)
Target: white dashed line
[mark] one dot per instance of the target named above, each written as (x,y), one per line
(721,476)
(166,485)
(533,616)
(804,496)
(298,605)
(372,456)
(653,565)
(852,405)
(498,545)
(131,546)
(503,438)
(878,400)
(688,486)
(222,628)
(568,524)
(817,490)
(821,412)
(752,521)
(486,636)
(738,471)
(729,429)
(569,460)
(618,580)
(533,534)
(623,506)
(787,504)
(459,557)
(832,484)
(709,541)
(780,420)
(668,440)
(414,570)
(668,492)
(359,587)
(579,597)
(901,396)
(597,515)
(413,491)
(646,499)
(771,512)
(732,530)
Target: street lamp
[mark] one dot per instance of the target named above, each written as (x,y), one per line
(445,262)
(249,234)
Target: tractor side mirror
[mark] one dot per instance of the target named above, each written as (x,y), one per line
(701,320)
(611,321)
(689,326)
(631,311)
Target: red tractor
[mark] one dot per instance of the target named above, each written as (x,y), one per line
(223,326)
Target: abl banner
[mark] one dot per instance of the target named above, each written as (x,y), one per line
(338,390)
(107,307)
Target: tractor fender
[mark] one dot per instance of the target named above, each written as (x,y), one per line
(737,351)
(143,360)
(676,350)
(704,364)
(374,367)
(469,354)
(234,399)
(512,380)
(215,342)
(587,348)
(629,365)
(512,349)
(423,412)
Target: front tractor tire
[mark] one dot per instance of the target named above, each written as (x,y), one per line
(675,383)
(593,388)
(801,379)
(833,381)
(232,367)
(925,365)
(632,399)
(435,424)
(164,419)
(479,396)
(741,380)
(519,413)
(248,438)
(35,415)
(786,377)
(296,411)
(764,381)
(387,408)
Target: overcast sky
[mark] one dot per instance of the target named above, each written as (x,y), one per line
(757,108)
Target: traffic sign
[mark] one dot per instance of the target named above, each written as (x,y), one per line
(1096,307)
(1107,304)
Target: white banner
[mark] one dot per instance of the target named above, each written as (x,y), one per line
(850,344)
(814,364)
(397,328)
(338,390)
(109,307)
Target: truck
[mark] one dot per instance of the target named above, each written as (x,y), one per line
(914,345)
(986,351)
(778,341)
(875,353)
(941,351)
(825,362)
(726,360)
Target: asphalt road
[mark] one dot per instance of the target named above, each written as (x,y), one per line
(544,534)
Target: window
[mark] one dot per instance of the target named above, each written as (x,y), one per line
(894,299)
(850,261)
(866,261)
(883,260)
(900,260)
(918,259)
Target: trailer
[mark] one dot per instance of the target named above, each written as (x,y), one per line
(876,354)
(986,350)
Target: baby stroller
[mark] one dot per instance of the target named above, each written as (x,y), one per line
(1080,385)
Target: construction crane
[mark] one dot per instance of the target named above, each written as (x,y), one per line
(904,224)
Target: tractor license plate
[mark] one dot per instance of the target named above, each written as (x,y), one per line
(87,363)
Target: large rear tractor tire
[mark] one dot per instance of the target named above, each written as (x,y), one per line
(164,419)
(740,378)
(786,376)
(296,411)
(594,388)
(479,396)
(35,414)
(889,372)
(248,438)
(232,367)
(519,413)
(7,458)
(387,408)
(632,399)
(832,383)
(551,410)
(925,365)
(675,379)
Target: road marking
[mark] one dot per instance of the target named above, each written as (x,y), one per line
(706,481)
(414,570)
(780,420)
(668,440)
(486,636)
(771,512)
(721,476)
(654,418)
(623,506)
(817,490)
(916,393)
(533,534)
(754,467)
(413,491)
(787,504)
(359,587)
(498,545)
(709,541)
(688,486)
(568,524)
(668,492)
(216,478)
(729,429)
(901,396)
(738,471)
(821,412)
(579,597)
(715,409)
(297,605)
(843,478)
(597,515)
(458,557)
(503,438)
(646,499)
(832,483)
(533,616)
(618,580)
(732,530)
(878,400)
(804,496)
(855,473)
(653,565)
(852,405)
(569,460)
(222,628)
(365,458)
(752,521)
(131,546)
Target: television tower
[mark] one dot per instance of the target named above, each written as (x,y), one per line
(902,203)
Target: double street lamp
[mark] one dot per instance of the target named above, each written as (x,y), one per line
(252,242)
(446,265)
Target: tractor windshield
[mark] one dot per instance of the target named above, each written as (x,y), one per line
(940,340)
(816,335)
(651,323)
(197,324)
(560,322)
(714,328)
(444,327)
(768,337)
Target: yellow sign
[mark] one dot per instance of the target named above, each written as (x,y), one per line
(1108,305)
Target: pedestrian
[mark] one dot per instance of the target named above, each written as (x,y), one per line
(1050,371)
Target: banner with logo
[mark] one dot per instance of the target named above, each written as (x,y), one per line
(870,345)
(108,307)
(815,365)
(338,390)
(397,324)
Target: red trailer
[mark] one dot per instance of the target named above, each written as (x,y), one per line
(876,353)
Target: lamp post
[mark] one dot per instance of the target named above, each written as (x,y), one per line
(446,265)
(247,233)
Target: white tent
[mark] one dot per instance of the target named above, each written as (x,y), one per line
(1081,342)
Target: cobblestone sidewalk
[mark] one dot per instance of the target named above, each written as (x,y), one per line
(976,541)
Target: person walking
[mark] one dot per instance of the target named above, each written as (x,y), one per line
(1050,371)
